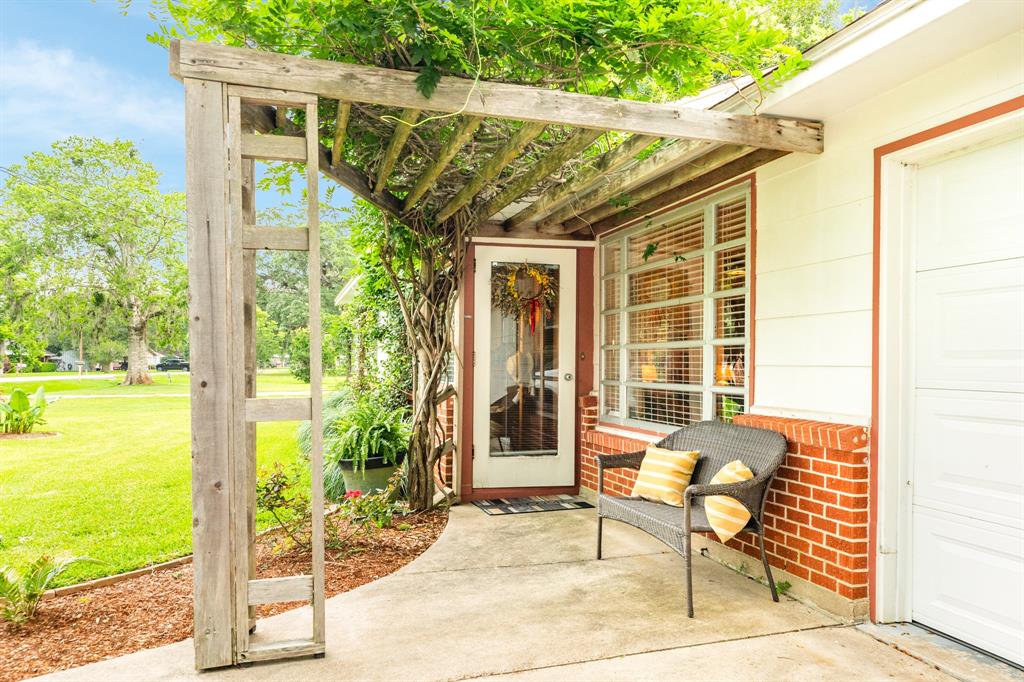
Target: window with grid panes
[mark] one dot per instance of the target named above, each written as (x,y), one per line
(674,322)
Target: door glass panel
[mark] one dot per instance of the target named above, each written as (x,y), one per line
(523,352)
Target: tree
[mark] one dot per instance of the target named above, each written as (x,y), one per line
(644,50)
(105,233)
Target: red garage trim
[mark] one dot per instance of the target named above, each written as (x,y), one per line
(897,145)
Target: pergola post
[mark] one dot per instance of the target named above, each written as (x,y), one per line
(206,187)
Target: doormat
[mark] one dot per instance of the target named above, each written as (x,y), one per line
(535,503)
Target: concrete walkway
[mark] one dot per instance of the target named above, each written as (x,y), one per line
(520,597)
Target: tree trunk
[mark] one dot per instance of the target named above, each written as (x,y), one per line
(138,352)
(428,287)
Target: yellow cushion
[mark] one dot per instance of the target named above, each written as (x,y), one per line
(726,515)
(664,474)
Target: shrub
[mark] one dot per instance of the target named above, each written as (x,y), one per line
(20,591)
(298,355)
(279,492)
(20,414)
(45,367)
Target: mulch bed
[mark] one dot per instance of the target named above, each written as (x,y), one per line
(28,436)
(113,620)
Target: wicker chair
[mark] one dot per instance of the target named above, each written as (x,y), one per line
(761,450)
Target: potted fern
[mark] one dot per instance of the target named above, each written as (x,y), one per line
(364,443)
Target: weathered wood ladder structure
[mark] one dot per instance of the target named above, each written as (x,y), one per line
(223,240)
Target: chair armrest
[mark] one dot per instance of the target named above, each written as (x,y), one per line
(629,460)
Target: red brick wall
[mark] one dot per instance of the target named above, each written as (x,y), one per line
(816,514)
(446,415)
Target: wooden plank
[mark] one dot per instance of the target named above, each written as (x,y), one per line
(205,160)
(340,130)
(316,425)
(692,188)
(374,85)
(238,454)
(583,182)
(640,172)
(341,172)
(272,96)
(403,129)
(277,590)
(295,648)
(277,409)
(462,134)
(551,162)
(704,164)
(276,238)
(249,307)
(273,147)
(526,134)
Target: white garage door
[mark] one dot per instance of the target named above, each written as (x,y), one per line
(967,436)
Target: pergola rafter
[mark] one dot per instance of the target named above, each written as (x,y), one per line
(559,164)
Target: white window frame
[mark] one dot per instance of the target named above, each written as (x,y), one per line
(708,342)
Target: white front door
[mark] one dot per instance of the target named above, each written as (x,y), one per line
(967,432)
(524,384)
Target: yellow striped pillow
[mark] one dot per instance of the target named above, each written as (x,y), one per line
(664,474)
(726,515)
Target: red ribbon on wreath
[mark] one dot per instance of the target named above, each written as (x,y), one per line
(534,308)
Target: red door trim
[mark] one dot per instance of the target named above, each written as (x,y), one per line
(584,372)
(897,145)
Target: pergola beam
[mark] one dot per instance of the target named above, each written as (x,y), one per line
(556,157)
(695,168)
(557,196)
(340,131)
(389,87)
(703,183)
(526,134)
(613,185)
(462,134)
(403,129)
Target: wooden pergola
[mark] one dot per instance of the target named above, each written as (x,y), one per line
(505,160)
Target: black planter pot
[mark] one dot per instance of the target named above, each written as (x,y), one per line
(374,475)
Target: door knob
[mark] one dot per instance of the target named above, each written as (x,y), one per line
(568,377)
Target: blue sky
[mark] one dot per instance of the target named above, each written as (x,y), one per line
(76,67)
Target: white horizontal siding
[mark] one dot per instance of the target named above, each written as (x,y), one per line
(814,237)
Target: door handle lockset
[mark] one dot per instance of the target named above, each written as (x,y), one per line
(568,377)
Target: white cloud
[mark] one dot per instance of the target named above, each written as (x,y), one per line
(49,93)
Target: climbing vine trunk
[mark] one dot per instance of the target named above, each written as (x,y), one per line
(138,350)
(425,266)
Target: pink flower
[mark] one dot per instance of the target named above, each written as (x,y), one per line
(352,494)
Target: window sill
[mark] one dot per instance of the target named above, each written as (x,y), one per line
(626,432)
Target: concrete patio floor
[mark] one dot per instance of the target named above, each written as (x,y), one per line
(521,597)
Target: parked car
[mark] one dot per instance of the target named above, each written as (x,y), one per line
(172,363)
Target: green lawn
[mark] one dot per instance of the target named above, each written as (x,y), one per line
(163,383)
(115,485)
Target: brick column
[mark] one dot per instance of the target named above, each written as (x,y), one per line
(816,515)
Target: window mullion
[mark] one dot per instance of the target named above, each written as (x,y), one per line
(709,311)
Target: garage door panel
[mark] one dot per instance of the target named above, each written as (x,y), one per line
(971,206)
(970,327)
(969,581)
(968,456)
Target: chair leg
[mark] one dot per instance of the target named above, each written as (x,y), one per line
(600,523)
(767,568)
(689,575)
